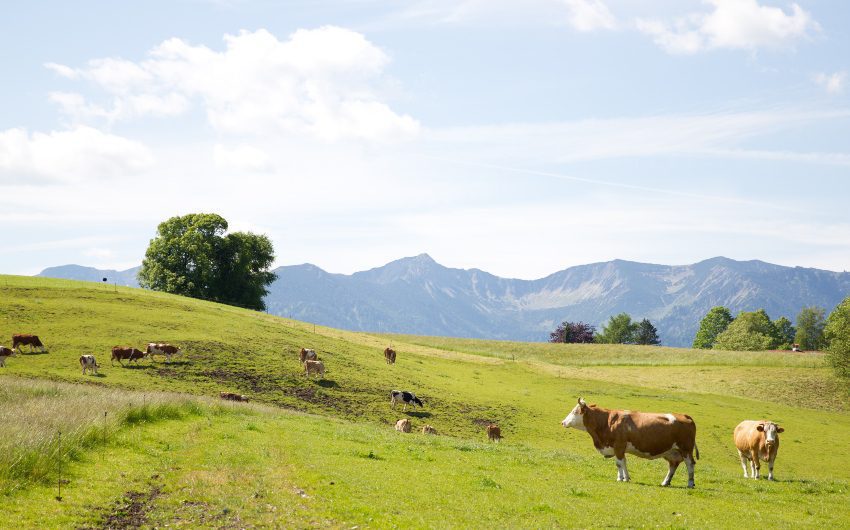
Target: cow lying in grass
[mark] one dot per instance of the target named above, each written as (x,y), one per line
(408,398)
(647,435)
(403,425)
(232,396)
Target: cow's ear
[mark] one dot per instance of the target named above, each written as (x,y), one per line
(760,427)
(779,429)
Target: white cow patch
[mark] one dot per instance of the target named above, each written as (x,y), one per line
(670,418)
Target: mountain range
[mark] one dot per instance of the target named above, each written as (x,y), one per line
(417,295)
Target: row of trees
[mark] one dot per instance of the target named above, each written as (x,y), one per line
(753,331)
(620,329)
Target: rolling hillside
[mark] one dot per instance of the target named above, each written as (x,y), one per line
(342,465)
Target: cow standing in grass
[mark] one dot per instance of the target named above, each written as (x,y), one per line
(126,352)
(389,355)
(21,339)
(88,364)
(314,367)
(757,441)
(307,355)
(647,435)
(5,353)
(408,398)
(494,433)
(162,348)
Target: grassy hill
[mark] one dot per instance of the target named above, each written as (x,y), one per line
(341,464)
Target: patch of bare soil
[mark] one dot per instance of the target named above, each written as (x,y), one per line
(130,511)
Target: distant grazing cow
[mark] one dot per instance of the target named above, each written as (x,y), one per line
(403,425)
(314,367)
(32,341)
(126,352)
(161,348)
(389,355)
(617,432)
(88,363)
(408,398)
(494,433)
(427,429)
(307,355)
(757,441)
(232,396)
(5,353)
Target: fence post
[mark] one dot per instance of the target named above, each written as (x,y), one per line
(59,452)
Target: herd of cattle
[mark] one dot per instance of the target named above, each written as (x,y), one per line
(615,433)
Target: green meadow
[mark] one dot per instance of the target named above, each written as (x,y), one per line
(149,444)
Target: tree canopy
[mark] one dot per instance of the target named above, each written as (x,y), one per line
(646,334)
(750,331)
(785,332)
(619,330)
(192,256)
(573,332)
(713,324)
(810,328)
(837,334)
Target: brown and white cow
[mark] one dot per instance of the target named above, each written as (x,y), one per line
(314,367)
(5,353)
(88,364)
(162,348)
(403,425)
(389,355)
(427,429)
(233,396)
(21,339)
(757,441)
(307,355)
(126,352)
(494,433)
(647,435)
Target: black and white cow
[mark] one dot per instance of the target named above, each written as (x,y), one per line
(5,353)
(408,398)
(88,363)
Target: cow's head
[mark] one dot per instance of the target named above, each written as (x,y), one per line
(418,401)
(771,432)
(575,418)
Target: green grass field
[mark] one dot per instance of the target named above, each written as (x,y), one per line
(324,453)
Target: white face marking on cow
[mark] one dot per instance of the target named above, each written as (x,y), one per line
(670,418)
(574,419)
(771,436)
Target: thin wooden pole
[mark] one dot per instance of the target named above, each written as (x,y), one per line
(59,452)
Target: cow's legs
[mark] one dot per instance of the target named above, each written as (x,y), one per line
(622,471)
(689,462)
(672,466)
(770,468)
(743,458)
(754,457)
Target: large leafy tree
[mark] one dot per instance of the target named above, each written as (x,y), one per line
(785,332)
(837,334)
(192,256)
(619,330)
(573,332)
(646,334)
(810,328)
(713,324)
(750,331)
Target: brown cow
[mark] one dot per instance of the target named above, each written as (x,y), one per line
(162,348)
(232,396)
(647,435)
(5,353)
(314,367)
(757,441)
(389,355)
(126,352)
(494,433)
(403,425)
(427,429)
(307,355)
(20,339)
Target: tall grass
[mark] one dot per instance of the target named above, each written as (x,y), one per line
(34,412)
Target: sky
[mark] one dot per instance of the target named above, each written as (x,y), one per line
(518,137)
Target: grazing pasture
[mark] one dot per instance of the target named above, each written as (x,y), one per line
(217,463)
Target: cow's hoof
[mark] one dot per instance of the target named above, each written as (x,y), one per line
(691,485)
(665,484)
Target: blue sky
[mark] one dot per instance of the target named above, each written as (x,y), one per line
(520,137)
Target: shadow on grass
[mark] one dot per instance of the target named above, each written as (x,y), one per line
(421,414)
(327,383)
(172,363)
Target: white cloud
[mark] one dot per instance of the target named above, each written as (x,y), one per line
(731,24)
(241,158)
(82,152)
(324,82)
(832,83)
(589,15)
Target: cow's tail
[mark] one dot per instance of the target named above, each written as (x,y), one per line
(696,451)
